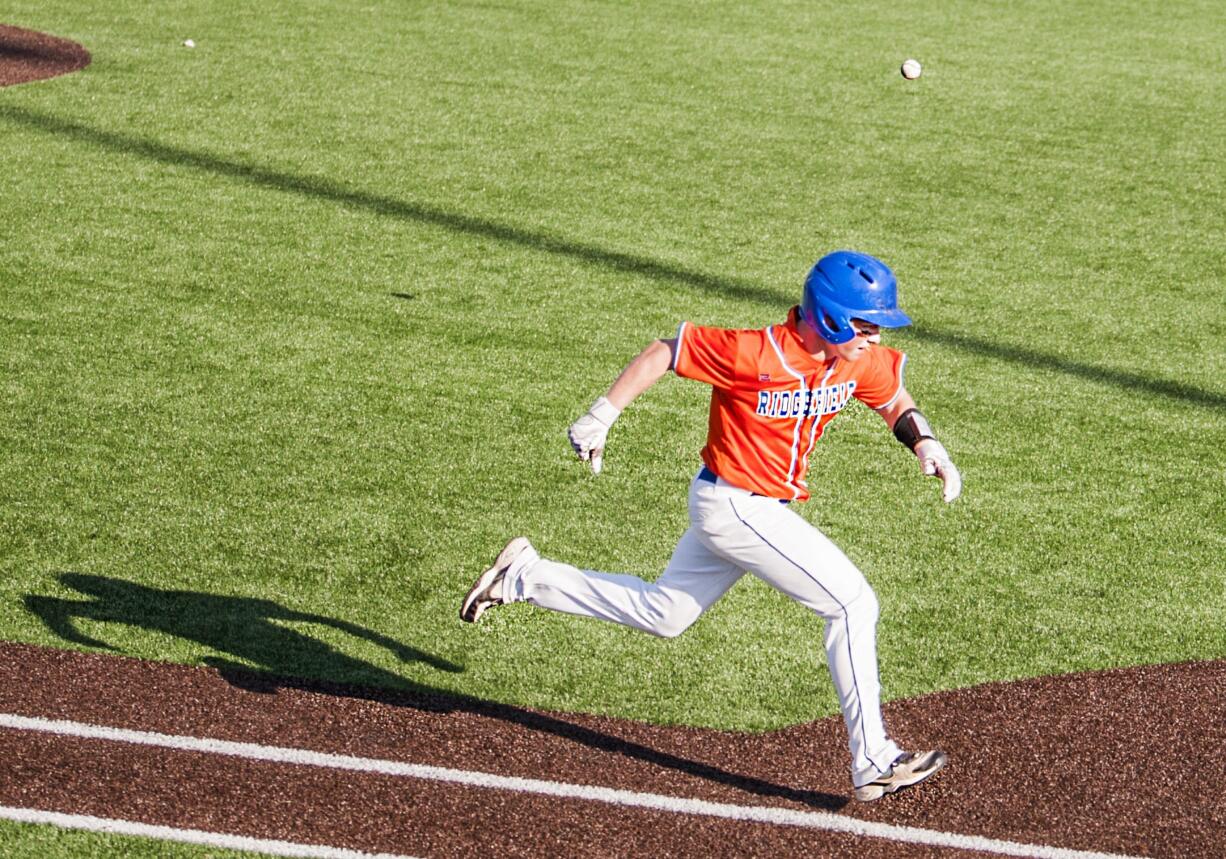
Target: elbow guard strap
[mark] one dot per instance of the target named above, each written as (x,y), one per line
(911,427)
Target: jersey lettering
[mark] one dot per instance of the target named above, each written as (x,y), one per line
(799,402)
(771,399)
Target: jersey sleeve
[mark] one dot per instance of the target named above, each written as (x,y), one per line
(881,380)
(707,354)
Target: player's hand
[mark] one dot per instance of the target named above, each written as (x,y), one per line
(587,435)
(935,461)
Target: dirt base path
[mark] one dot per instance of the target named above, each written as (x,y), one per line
(29,56)
(1119,762)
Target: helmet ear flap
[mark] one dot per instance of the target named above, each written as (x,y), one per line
(832,329)
(822,314)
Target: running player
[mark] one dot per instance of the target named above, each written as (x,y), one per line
(773,392)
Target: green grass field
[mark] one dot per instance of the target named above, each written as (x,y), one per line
(292,325)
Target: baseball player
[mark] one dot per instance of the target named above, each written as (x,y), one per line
(773,391)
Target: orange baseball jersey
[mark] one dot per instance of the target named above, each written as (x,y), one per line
(770,400)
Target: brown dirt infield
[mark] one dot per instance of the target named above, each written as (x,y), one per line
(1122,762)
(26,55)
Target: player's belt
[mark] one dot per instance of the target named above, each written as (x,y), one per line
(711,477)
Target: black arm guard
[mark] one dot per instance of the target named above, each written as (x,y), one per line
(911,427)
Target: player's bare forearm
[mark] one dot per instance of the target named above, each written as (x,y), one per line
(891,413)
(647,368)
(588,434)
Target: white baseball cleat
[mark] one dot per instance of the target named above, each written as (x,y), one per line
(908,768)
(487,590)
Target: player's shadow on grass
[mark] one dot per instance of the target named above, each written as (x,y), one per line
(255,630)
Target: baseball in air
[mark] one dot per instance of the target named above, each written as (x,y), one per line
(911,69)
(188,43)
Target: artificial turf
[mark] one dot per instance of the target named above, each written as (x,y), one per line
(292,324)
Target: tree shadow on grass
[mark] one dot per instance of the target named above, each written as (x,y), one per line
(254,630)
(321,188)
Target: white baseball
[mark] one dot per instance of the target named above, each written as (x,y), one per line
(188,43)
(911,69)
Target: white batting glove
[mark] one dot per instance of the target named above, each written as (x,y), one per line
(587,435)
(934,460)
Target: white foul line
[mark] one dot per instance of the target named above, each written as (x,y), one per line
(186,836)
(658,802)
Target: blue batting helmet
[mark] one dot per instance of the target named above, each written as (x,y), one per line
(847,285)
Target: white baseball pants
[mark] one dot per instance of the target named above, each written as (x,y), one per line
(731,531)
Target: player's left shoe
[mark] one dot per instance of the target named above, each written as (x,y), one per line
(908,768)
(487,590)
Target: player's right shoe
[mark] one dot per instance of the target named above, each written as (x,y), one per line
(908,768)
(487,590)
